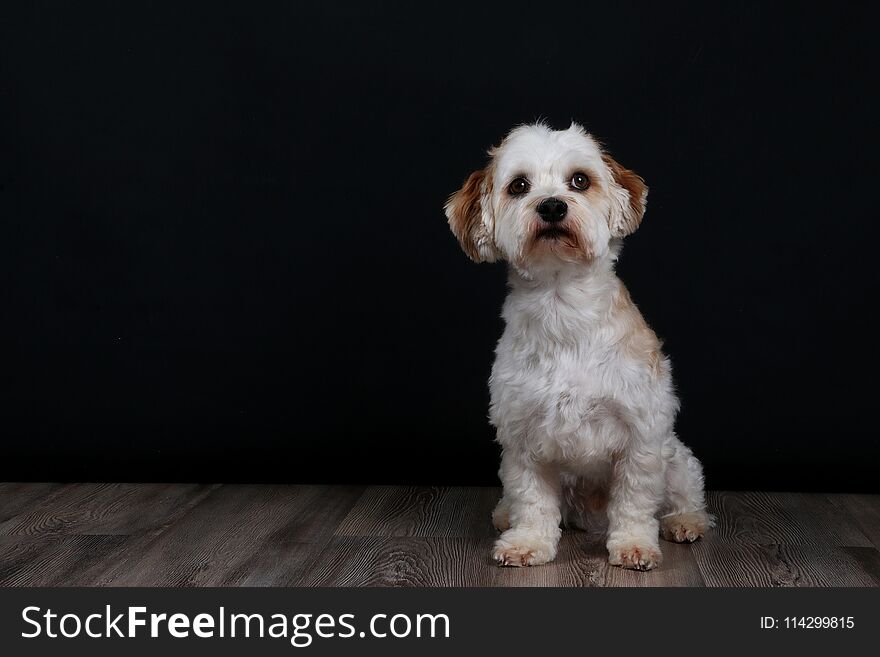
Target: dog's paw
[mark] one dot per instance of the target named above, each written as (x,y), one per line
(685,527)
(523,548)
(634,555)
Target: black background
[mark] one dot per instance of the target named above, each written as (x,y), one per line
(224,254)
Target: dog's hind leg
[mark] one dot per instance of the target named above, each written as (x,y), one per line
(683,516)
(584,502)
(501,515)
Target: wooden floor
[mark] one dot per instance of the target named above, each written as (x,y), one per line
(271,535)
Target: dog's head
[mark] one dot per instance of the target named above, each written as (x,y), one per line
(547,198)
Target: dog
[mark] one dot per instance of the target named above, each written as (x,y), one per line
(582,396)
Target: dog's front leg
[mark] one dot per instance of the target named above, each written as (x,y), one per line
(532,499)
(636,494)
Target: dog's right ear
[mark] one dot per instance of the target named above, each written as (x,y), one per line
(469,212)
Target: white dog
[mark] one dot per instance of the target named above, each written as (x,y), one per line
(582,396)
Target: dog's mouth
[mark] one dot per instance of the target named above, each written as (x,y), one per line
(553,233)
(561,240)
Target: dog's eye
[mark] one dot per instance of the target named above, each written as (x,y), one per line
(518,186)
(580,181)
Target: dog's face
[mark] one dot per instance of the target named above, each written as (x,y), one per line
(547,198)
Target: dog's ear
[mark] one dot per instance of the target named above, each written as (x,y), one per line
(629,196)
(469,213)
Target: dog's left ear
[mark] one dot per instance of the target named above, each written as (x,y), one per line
(629,196)
(470,217)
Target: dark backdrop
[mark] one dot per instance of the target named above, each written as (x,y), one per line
(224,254)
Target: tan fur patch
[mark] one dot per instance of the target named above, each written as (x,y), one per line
(637,339)
(598,499)
(636,189)
(464,211)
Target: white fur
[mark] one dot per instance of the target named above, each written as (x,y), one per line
(582,409)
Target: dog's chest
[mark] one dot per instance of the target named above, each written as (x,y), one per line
(541,378)
(554,383)
(561,383)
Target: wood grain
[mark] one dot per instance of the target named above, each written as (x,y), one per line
(864,511)
(245,534)
(754,518)
(54,560)
(402,562)
(273,535)
(17,497)
(422,511)
(724,564)
(105,509)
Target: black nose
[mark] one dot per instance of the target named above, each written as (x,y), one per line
(552,209)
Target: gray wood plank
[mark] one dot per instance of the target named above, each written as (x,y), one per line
(241,534)
(190,535)
(402,561)
(422,511)
(287,556)
(53,560)
(755,518)
(725,564)
(16,497)
(407,561)
(864,510)
(105,508)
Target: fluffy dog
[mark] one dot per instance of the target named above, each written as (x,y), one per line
(582,396)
